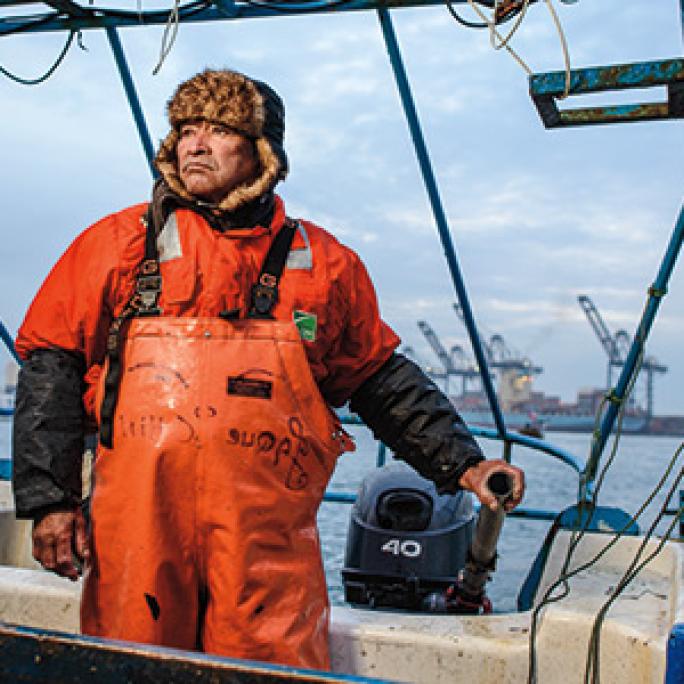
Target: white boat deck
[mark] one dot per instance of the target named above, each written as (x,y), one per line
(436,649)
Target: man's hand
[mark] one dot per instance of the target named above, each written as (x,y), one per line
(58,537)
(475,480)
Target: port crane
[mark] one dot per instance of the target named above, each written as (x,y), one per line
(514,371)
(454,362)
(433,372)
(616,347)
(500,356)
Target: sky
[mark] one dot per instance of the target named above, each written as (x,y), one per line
(538,217)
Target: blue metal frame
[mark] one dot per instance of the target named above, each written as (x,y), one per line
(132,96)
(89,18)
(546,89)
(656,292)
(411,114)
(9,342)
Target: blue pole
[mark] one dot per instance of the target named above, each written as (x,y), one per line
(440,218)
(9,342)
(656,292)
(132,95)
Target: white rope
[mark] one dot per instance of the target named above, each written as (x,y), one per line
(511,33)
(495,34)
(564,46)
(168,40)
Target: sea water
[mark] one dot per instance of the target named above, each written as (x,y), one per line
(637,468)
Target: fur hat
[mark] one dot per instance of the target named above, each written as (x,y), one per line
(244,104)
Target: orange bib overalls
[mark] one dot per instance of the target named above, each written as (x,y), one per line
(204,513)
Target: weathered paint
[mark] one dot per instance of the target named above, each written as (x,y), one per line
(545,88)
(614,77)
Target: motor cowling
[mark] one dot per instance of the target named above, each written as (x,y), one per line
(406,544)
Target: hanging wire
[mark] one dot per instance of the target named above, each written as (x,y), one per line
(503,42)
(564,47)
(577,535)
(493,32)
(583,521)
(563,579)
(169,36)
(593,671)
(48,73)
(480,25)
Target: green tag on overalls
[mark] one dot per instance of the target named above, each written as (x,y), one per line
(306,324)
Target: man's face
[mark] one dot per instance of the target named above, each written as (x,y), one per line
(213,159)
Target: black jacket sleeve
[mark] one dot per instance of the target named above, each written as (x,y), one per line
(413,417)
(48,433)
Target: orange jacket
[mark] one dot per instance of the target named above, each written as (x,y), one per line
(203,273)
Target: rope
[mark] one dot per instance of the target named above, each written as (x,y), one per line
(495,34)
(48,73)
(503,42)
(592,671)
(577,535)
(564,47)
(171,28)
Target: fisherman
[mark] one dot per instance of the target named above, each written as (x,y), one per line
(205,336)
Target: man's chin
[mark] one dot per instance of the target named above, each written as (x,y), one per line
(199,189)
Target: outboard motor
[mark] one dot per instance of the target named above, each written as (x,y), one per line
(406,544)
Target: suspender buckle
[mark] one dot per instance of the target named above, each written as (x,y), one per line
(263,300)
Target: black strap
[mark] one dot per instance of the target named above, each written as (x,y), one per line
(265,290)
(143,302)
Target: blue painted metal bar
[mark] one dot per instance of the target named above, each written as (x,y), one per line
(220,11)
(9,342)
(674,672)
(519,512)
(382,455)
(440,217)
(546,88)
(535,444)
(132,96)
(656,293)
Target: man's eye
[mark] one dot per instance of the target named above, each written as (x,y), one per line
(185,132)
(221,130)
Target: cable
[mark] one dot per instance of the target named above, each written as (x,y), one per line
(48,73)
(482,25)
(577,535)
(171,28)
(494,32)
(564,47)
(592,671)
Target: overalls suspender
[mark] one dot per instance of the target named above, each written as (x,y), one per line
(145,302)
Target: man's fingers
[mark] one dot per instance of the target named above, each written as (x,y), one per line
(81,539)
(55,537)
